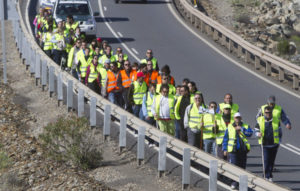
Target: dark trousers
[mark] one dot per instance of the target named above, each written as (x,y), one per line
(48,52)
(238,158)
(193,138)
(127,105)
(137,111)
(269,159)
(57,55)
(94,86)
(220,152)
(151,121)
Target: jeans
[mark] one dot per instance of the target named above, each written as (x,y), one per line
(151,121)
(220,152)
(239,159)
(75,74)
(137,111)
(194,138)
(115,98)
(177,129)
(57,55)
(269,159)
(210,146)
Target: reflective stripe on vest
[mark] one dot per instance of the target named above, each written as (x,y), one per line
(177,106)
(208,123)
(222,128)
(194,117)
(103,74)
(93,75)
(138,92)
(171,101)
(127,81)
(149,103)
(58,37)
(232,138)
(112,81)
(275,126)
(151,78)
(48,45)
(276,112)
(83,63)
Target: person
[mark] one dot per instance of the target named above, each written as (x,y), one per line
(83,61)
(178,93)
(71,23)
(92,47)
(120,51)
(165,70)
(92,75)
(135,66)
(209,128)
(181,104)
(147,103)
(185,81)
(235,143)
(113,88)
(192,121)
(39,18)
(103,75)
(120,60)
(151,75)
(107,55)
(72,63)
(48,45)
(228,100)
(163,110)
(59,45)
(222,123)
(267,131)
(136,93)
(165,80)
(149,57)
(127,77)
(78,34)
(277,112)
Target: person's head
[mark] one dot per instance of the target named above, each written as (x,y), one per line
(271,101)
(152,88)
(178,89)
(104,44)
(77,31)
(237,117)
(227,109)
(113,66)
(127,65)
(120,57)
(164,90)
(192,87)
(70,19)
(87,51)
(135,66)
(142,68)
(198,99)
(41,11)
(140,77)
(228,98)
(59,23)
(83,45)
(165,70)
(184,91)
(107,50)
(149,65)
(107,64)
(94,43)
(213,106)
(78,43)
(268,112)
(149,53)
(165,79)
(97,50)
(185,81)
(119,50)
(95,59)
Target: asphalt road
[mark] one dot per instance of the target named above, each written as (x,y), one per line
(142,26)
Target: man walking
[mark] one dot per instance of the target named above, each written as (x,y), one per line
(228,100)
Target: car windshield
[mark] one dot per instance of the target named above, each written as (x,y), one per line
(66,9)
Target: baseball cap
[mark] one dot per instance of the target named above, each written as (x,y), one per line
(271,99)
(99,39)
(227,106)
(107,61)
(140,74)
(237,114)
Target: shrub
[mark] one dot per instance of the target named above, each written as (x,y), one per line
(5,161)
(71,140)
(283,46)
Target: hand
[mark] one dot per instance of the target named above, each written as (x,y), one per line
(259,134)
(225,153)
(147,118)
(238,128)
(288,126)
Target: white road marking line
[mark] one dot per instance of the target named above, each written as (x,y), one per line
(297,153)
(134,50)
(105,9)
(296,148)
(120,34)
(227,57)
(114,33)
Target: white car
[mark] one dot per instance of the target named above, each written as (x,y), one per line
(47,4)
(81,12)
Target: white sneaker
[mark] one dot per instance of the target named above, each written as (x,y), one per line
(135,135)
(151,145)
(195,6)
(270,179)
(233,187)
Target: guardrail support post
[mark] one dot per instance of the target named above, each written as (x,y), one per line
(213,171)
(243,183)
(197,22)
(28,57)
(257,63)
(70,95)
(281,74)
(107,119)
(202,26)
(223,40)
(247,57)
(122,135)
(230,45)
(24,53)
(37,68)
(240,51)
(216,35)
(93,112)
(80,103)
(141,145)
(295,82)
(192,18)
(51,81)
(268,68)
(162,156)
(59,90)
(186,173)
(32,63)
(44,75)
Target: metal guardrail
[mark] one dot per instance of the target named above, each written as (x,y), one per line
(45,71)
(234,43)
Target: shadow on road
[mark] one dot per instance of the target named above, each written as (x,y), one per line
(112,19)
(148,2)
(113,40)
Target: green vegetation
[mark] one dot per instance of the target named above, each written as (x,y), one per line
(71,140)
(283,46)
(5,161)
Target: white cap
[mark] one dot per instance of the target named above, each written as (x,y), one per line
(237,114)
(107,61)
(58,20)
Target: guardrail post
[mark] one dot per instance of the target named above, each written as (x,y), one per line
(197,22)
(37,68)
(240,51)
(93,112)
(70,95)
(32,63)
(213,171)
(247,56)
(24,52)
(230,45)
(162,156)
(192,18)
(243,185)
(223,40)
(51,81)
(210,31)
(80,104)
(281,74)
(257,63)
(215,35)
(186,173)
(19,41)
(107,119)
(295,82)
(28,57)
(122,135)
(60,97)
(44,75)
(202,26)
(268,68)
(141,145)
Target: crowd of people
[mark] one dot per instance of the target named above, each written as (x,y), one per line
(150,93)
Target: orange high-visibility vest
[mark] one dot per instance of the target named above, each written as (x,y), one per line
(172,81)
(128,80)
(151,78)
(112,81)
